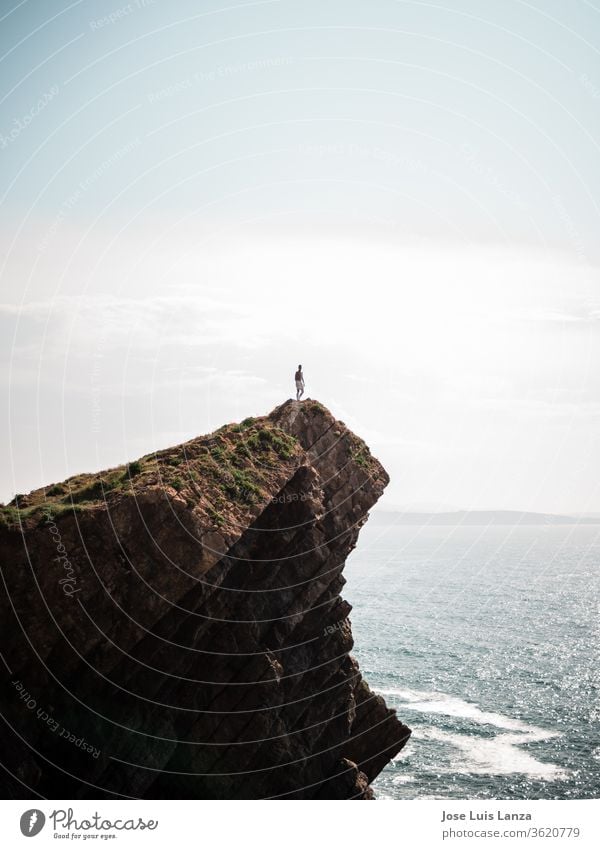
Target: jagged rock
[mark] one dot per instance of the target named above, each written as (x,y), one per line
(174,628)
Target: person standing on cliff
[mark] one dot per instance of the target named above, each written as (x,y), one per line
(299,378)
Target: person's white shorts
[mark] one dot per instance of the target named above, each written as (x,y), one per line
(299,384)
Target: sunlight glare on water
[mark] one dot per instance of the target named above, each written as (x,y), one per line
(485,640)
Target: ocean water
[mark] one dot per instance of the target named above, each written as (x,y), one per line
(486,641)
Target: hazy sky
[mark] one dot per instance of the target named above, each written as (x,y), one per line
(403,196)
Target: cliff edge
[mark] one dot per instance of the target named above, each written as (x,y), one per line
(174,628)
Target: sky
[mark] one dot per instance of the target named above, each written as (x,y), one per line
(402,196)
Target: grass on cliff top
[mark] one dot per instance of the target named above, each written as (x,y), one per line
(231,466)
(361,455)
(15,517)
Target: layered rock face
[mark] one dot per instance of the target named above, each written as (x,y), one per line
(175,629)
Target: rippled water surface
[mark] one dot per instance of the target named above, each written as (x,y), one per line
(486,641)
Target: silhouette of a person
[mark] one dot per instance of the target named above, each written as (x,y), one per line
(299,378)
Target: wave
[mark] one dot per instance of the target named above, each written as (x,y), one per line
(498,755)
(428,702)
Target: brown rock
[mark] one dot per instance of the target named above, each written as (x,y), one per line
(178,627)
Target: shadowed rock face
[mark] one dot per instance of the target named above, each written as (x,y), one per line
(175,628)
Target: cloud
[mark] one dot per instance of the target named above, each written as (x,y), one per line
(438,355)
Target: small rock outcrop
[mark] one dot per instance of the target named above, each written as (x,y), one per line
(174,628)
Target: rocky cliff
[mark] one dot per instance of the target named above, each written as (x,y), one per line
(174,627)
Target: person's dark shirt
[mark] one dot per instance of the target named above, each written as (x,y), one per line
(299,375)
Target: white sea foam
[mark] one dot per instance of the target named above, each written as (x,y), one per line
(403,779)
(497,755)
(427,702)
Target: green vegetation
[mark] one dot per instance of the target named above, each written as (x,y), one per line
(360,452)
(234,464)
(9,517)
(216,516)
(282,443)
(13,517)
(241,486)
(97,489)
(362,459)
(242,450)
(219,454)
(56,510)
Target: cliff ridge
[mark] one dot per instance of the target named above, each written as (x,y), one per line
(174,628)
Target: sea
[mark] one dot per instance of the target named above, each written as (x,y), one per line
(486,641)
